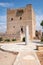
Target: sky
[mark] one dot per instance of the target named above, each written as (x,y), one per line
(5,4)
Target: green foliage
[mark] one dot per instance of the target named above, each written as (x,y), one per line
(7,40)
(23,39)
(13,39)
(41,23)
(1,39)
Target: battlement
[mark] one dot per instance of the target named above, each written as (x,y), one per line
(28,5)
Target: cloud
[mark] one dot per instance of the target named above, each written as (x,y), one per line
(6,4)
(2,28)
(39,18)
(3,23)
(2,18)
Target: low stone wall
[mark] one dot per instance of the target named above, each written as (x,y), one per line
(10,36)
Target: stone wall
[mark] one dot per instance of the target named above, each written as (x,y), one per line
(19,18)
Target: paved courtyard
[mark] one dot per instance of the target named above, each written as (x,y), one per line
(40,56)
(7,58)
(26,54)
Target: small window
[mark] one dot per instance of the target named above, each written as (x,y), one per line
(11,19)
(13,26)
(19,12)
(22,30)
(20,18)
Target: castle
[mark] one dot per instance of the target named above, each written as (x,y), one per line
(17,19)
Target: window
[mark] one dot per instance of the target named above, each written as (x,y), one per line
(13,26)
(20,18)
(11,19)
(22,29)
(19,12)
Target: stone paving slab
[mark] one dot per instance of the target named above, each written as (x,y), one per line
(24,52)
(22,60)
(7,58)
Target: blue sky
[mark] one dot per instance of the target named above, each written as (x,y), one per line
(4,4)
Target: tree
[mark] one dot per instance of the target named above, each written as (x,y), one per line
(41,24)
(42,27)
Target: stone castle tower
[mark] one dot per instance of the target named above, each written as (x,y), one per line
(17,19)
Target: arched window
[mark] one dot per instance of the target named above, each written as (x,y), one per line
(22,29)
(20,18)
(11,19)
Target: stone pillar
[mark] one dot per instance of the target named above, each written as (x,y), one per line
(26,35)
